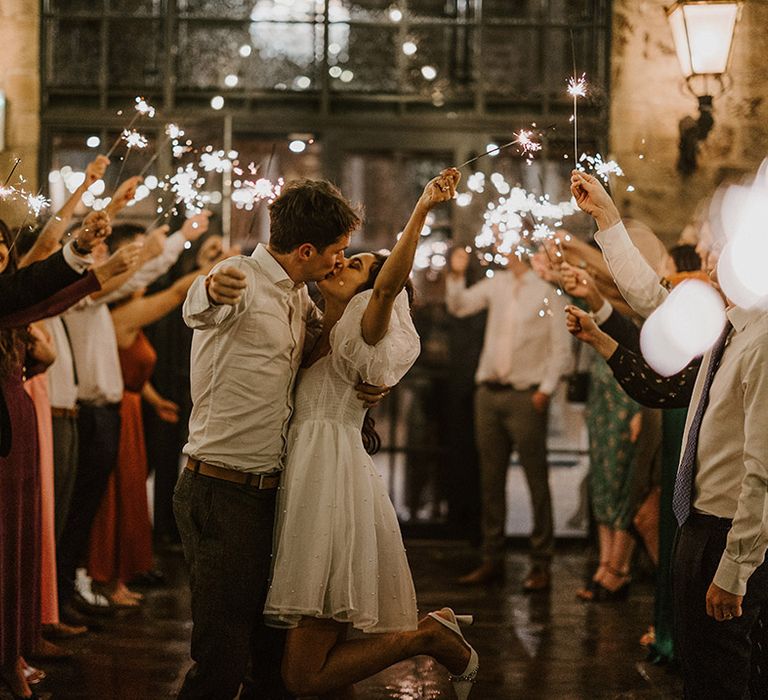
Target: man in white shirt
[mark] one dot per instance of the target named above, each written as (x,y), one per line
(720,573)
(99,391)
(525,352)
(249,317)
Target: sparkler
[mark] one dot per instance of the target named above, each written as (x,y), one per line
(602,168)
(577,87)
(10,175)
(143,109)
(172,133)
(522,140)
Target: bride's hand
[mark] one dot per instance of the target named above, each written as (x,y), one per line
(371,395)
(441,188)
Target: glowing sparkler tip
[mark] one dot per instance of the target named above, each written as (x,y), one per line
(524,140)
(133,139)
(143,107)
(577,87)
(37,202)
(173,131)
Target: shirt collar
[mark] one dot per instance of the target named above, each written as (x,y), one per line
(274,271)
(740,317)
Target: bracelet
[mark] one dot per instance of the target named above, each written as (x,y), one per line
(82,252)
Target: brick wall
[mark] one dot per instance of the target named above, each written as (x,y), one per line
(20,80)
(648,101)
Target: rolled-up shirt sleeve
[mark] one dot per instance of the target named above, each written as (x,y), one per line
(200,313)
(748,538)
(636,279)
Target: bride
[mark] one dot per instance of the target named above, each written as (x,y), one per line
(339,557)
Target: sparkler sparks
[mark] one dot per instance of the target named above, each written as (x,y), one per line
(250,192)
(133,139)
(602,168)
(577,87)
(526,144)
(37,202)
(144,108)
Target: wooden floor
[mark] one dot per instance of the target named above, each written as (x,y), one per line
(531,647)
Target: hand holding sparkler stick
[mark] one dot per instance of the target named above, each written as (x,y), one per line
(123,195)
(123,262)
(94,230)
(195,226)
(592,198)
(579,283)
(583,327)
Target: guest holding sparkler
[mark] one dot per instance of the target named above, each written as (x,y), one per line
(524,355)
(720,575)
(121,535)
(19,468)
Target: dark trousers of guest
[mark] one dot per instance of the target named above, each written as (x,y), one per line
(226,531)
(506,418)
(724,660)
(99,437)
(65,456)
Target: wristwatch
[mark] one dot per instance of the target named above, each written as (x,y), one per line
(82,252)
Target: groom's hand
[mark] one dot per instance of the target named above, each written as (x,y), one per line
(226,286)
(370,395)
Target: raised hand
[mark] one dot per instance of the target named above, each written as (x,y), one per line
(441,188)
(154,242)
(226,286)
(195,226)
(94,230)
(580,284)
(582,326)
(124,194)
(124,260)
(592,198)
(95,170)
(543,267)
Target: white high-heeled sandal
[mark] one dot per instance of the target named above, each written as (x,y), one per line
(462,685)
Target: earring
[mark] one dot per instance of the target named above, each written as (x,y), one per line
(341,283)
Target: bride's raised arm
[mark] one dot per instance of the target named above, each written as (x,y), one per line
(395,271)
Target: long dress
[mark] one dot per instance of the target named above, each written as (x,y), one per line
(608,414)
(37,388)
(19,527)
(338,549)
(121,535)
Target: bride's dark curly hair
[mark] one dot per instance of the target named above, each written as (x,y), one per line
(371,439)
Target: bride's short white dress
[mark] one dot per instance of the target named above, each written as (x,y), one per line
(338,550)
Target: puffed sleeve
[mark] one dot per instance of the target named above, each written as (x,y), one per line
(384,363)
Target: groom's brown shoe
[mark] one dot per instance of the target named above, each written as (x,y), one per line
(487,572)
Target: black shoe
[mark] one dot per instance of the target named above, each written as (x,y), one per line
(86,608)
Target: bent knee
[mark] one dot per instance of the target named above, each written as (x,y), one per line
(298,681)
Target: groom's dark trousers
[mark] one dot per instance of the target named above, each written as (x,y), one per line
(226,530)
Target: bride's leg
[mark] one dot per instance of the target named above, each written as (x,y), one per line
(317,661)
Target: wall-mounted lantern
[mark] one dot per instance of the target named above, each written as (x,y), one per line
(703,35)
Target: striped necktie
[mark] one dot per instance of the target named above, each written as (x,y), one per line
(683,495)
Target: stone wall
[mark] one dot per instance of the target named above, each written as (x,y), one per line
(649,100)
(20,80)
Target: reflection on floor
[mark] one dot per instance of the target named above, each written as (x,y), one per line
(531,647)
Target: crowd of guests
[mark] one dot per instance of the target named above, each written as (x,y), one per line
(75,385)
(75,366)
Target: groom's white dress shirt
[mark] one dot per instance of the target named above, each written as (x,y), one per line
(244,363)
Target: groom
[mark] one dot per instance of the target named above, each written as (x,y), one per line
(249,317)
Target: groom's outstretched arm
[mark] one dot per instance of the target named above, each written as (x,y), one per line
(218,297)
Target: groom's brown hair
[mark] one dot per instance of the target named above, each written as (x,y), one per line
(310,211)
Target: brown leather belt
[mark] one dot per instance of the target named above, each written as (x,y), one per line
(254,481)
(64,412)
